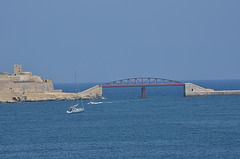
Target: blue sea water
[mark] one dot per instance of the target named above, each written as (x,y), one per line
(163,125)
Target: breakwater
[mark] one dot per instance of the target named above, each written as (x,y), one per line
(192,90)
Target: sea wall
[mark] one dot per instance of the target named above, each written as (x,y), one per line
(192,90)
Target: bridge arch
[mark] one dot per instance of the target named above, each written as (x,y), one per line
(142,82)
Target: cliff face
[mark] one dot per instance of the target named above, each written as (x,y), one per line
(23,86)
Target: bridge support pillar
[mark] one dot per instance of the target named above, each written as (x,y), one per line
(143,93)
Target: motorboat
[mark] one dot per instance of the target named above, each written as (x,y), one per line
(92,102)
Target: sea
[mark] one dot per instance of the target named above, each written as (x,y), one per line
(122,125)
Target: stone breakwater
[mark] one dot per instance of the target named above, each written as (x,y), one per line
(192,90)
(25,87)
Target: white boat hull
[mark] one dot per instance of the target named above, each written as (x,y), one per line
(95,102)
(77,110)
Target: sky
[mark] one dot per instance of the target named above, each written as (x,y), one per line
(108,40)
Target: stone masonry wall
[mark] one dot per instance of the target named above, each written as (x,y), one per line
(94,92)
(192,90)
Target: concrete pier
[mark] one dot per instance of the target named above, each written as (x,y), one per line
(192,90)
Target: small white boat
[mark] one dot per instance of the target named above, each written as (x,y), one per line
(74,109)
(92,102)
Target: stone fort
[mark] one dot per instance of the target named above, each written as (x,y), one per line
(24,86)
(23,82)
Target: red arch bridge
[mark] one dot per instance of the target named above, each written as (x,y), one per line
(143,82)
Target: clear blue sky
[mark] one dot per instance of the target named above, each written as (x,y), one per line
(106,40)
